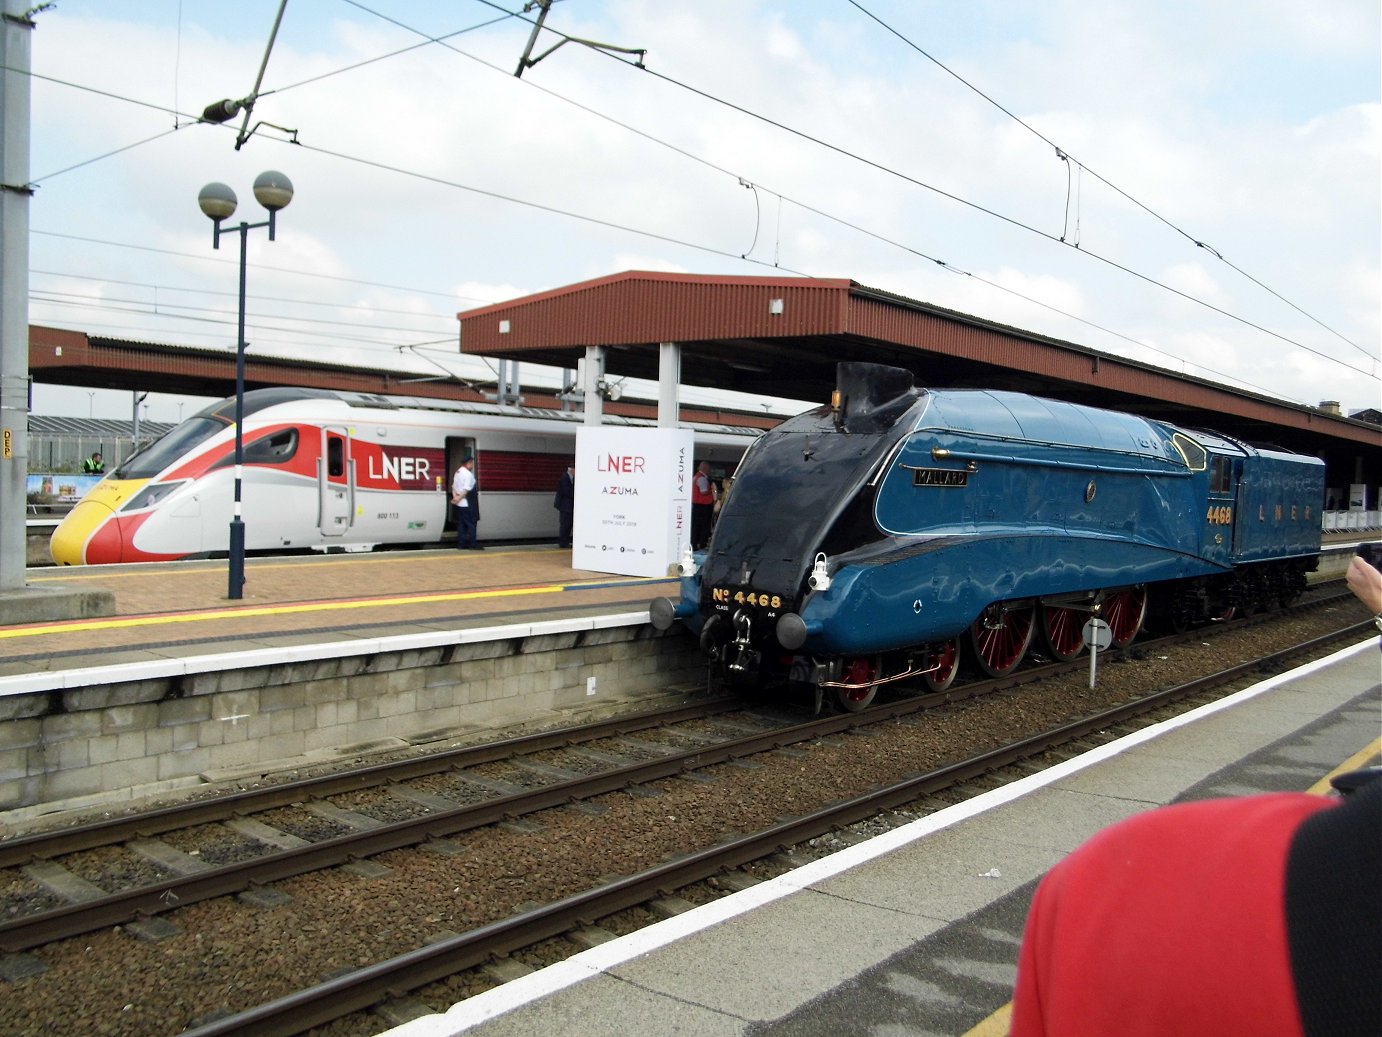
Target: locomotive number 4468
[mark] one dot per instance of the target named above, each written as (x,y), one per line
(726,595)
(1220,516)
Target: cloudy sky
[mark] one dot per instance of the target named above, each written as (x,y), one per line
(1193,185)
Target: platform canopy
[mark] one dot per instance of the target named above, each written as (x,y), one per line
(783,336)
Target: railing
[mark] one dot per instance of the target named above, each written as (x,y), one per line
(1356,521)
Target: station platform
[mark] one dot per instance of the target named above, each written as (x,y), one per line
(323,658)
(181,610)
(917,932)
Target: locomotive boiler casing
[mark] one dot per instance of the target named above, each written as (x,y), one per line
(921,508)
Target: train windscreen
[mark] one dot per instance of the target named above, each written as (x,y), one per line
(161,453)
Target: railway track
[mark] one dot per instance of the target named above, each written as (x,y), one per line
(739,735)
(234,843)
(366,987)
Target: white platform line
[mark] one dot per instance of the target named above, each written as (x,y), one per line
(467,1014)
(155,669)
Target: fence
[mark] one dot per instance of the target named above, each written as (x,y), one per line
(1352,521)
(59,445)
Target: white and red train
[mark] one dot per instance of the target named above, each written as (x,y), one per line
(325,469)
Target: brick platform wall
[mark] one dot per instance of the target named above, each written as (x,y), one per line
(64,745)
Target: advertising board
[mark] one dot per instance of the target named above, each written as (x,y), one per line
(633,499)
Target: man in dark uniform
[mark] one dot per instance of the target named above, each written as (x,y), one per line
(565,503)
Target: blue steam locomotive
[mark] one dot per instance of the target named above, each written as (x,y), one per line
(898,530)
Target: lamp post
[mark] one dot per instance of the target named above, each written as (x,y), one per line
(273,191)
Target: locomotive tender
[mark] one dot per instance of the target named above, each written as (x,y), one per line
(326,469)
(892,532)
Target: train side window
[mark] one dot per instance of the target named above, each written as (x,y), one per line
(1194,455)
(1221,475)
(274,448)
(335,456)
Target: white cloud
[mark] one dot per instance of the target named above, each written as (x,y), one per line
(413,170)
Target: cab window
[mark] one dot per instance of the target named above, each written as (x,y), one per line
(1221,475)
(275,448)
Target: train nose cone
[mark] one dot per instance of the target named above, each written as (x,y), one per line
(72,541)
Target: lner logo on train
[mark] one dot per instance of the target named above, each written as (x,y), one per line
(399,468)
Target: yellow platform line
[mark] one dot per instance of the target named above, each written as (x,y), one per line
(125,571)
(1355,762)
(996,1025)
(157,619)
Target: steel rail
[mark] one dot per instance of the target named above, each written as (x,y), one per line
(358,990)
(21,850)
(27,931)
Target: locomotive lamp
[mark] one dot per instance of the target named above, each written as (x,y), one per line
(273,191)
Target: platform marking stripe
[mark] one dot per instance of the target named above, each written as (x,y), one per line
(600,960)
(996,1025)
(119,623)
(1355,762)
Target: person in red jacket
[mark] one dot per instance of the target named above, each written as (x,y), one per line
(1259,916)
(702,506)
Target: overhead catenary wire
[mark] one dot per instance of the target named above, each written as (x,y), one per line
(718,251)
(844,152)
(876,165)
(730,254)
(261,266)
(171,309)
(1010,220)
(1065,156)
(306,303)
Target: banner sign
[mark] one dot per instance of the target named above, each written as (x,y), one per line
(633,499)
(66,488)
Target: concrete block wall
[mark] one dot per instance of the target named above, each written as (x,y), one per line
(63,746)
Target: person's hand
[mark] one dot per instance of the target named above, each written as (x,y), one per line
(1366,583)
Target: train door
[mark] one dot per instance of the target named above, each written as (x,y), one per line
(1221,510)
(458,448)
(335,482)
